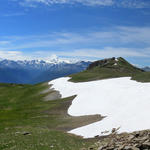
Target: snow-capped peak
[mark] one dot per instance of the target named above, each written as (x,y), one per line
(51,60)
(54,59)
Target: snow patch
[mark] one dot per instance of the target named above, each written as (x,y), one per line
(125,102)
(116,59)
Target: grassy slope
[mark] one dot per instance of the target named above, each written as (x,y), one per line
(122,69)
(22,109)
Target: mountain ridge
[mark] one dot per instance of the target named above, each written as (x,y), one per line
(35,71)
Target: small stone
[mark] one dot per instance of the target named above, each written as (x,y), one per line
(127,148)
(100,148)
(137,134)
(131,137)
(121,147)
(97,136)
(137,145)
(51,146)
(146,145)
(110,148)
(113,130)
(26,133)
(142,139)
(135,148)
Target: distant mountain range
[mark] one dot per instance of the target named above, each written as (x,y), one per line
(35,71)
(146,69)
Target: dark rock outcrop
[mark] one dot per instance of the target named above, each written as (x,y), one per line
(101,63)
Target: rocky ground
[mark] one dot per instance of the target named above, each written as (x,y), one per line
(134,141)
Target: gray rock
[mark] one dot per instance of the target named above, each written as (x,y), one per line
(126,141)
(146,145)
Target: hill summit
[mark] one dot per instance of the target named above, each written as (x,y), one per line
(115,63)
(111,68)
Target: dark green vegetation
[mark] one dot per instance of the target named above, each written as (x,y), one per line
(27,122)
(111,68)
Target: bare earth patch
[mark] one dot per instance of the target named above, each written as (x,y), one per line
(68,122)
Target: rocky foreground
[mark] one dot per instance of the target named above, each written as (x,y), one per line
(134,141)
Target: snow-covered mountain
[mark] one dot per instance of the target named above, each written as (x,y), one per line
(146,69)
(34,63)
(35,71)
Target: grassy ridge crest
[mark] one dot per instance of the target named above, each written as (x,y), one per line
(111,68)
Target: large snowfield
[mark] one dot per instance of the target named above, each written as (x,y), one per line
(124,102)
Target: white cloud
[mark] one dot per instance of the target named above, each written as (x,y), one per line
(117,36)
(83,54)
(94,54)
(134,34)
(135,4)
(107,52)
(117,41)
(117,3)
(32,3)
(12,55)
(95,2)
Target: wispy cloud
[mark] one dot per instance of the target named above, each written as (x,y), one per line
(117,41)
(116,36)
(2,43)
(32,3)
(107,52)
(12,55)
(117,3)
(80,54)
(134,4)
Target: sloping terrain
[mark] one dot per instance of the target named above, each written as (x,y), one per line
(28,122)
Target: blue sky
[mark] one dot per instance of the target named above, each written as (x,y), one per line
(75,29)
